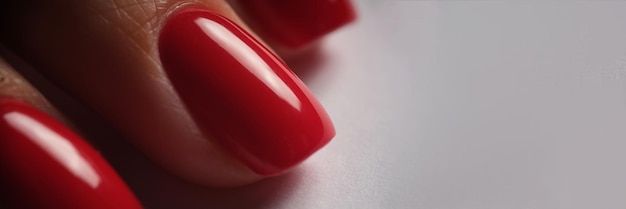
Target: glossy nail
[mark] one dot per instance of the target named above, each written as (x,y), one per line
(44,165)
(297,23)
(240,93)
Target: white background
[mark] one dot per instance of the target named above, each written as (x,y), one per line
(453,105)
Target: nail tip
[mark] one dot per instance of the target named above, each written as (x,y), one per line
(325,138)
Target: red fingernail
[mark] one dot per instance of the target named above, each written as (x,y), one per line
(240,93)
(44,165)
(300,22)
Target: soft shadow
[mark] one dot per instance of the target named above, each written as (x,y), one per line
(306,64)
(164,192)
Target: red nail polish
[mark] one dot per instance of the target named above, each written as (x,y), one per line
(44,165)
(298,23)
(240,93)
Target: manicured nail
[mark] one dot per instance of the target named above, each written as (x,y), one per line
(240,93)
(298,23)
(44,165)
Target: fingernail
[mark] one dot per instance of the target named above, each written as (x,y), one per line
(240,93)
(298,23)
(44,165)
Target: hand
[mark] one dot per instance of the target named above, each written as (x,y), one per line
(187,82)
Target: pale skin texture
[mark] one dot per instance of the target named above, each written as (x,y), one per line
(104,54)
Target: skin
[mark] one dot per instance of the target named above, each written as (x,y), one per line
(104,55)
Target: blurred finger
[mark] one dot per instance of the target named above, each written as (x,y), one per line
(43,164)
(296,24)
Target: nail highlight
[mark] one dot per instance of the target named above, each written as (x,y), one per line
(240,93)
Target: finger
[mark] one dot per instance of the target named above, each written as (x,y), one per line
(33,143)
(295,24)
(234,123)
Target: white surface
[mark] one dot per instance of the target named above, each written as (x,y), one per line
(459,105)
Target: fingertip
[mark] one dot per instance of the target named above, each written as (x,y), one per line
(250,102)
